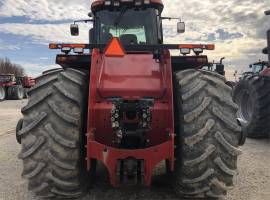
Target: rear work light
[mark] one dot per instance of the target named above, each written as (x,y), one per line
(198,51)
(78,50)
(185,51)
(66,50)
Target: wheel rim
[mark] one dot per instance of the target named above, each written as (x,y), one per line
(246,107)
(2,93)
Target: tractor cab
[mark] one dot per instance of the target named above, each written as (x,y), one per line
(133,22)
(137,25)
(132,27)
(217,67)
(258,67)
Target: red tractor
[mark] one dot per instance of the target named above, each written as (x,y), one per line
(129,104)
(252,94)
(12,87)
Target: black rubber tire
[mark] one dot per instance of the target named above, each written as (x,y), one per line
(53,135)
(51,70)
(256,90)
(3,93)
(15,92)
(207,139)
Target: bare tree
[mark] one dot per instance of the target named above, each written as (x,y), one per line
(6,67)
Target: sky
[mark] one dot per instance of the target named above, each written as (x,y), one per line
(237,27)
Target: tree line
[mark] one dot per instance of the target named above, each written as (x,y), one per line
(6,67)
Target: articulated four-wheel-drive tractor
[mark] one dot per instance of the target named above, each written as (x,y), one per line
(252,94)
(12,87)
(129,104)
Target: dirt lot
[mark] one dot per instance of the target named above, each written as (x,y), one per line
(253,182)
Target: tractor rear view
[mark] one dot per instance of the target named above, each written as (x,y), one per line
(252,94)
(129,104)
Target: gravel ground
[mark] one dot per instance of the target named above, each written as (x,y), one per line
(253,182)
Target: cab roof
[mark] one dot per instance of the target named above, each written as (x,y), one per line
(111,4)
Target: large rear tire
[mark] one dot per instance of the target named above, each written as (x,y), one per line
(208,136)
(2,93)
(53,135)
(252,94)
(15,92)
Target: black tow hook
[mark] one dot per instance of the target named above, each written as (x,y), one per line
(18,128)
(243,135)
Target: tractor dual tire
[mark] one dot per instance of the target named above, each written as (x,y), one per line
(15,92)
(53,135)
(252,94)
(3,93)
(208,136)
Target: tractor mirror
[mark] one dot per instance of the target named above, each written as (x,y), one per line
(74,29)
(181,27)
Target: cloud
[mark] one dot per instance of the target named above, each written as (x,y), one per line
(35,69)
(48,10)
(5,46)
(45,33)
(225,35)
